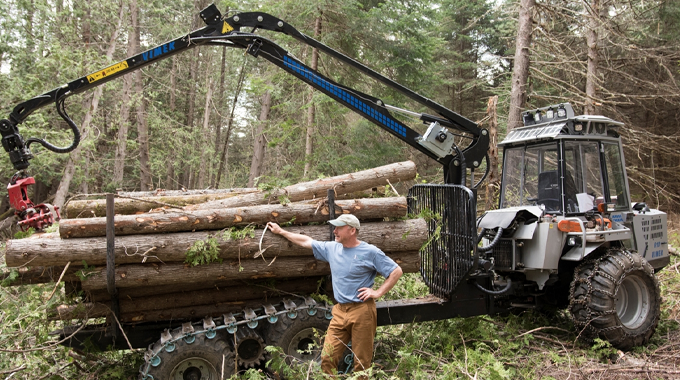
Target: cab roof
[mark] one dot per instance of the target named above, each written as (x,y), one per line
(549,123)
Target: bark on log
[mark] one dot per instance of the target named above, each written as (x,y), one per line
(38,275)
(102,295)
(50,250)
(90,310)
(200,220)
(91,208)
(130,276)
(343,184)
(139,305)
(181,193)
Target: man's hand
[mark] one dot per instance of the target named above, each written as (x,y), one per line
(275,228)
(366,293)
(301,240)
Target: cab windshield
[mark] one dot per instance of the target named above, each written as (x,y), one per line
(532,176)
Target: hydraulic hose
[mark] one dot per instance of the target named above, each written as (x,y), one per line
(76,132)
(493,243)
(486,172)
(494,292)
(463,167)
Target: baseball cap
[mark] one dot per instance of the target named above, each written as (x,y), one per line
(345,220)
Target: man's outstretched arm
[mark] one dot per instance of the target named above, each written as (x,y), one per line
(303,241)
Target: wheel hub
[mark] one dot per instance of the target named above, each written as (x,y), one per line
(632,302)
(249,347)
(194,369)
(305,345)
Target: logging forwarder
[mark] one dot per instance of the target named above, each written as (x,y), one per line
(566,233)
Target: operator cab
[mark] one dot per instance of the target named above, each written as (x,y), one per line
(563,163)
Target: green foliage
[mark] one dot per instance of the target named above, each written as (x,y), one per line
(24,234)
(10,277)
(203,252)
(234,233)
(86,272)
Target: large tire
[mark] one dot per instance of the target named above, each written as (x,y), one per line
(616,297)
(201,359)
(301,338)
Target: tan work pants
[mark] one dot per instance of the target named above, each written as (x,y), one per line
(351,321)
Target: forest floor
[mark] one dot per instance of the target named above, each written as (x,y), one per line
(527,345)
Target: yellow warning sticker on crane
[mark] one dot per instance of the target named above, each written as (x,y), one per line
(107,71)
(226,28)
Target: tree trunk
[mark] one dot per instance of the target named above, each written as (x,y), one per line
(592,39)
(342,184)
(130,276)
(520,70)
(50,250)
(69,171)
(259,145)
(492,183)
(225,147)
(143,137)
(222,100)
(170,164)
(97,207)
(124,124)
(203,170)
(300,212)
(310,110)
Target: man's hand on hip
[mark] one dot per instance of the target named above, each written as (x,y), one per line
(366,293)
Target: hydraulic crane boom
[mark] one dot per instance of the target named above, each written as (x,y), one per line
(437,143)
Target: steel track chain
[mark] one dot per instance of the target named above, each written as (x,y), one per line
(229,322)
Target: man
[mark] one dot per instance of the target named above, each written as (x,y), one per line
(354,265)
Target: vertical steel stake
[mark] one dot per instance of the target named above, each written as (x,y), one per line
(111,265)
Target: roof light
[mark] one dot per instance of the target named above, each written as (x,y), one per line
(561,112)
(537,116)
(549,114)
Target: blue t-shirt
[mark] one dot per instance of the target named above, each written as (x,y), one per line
(353,268)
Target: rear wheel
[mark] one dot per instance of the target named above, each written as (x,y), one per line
(616,297)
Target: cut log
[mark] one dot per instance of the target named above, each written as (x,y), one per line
(91,208)
(130,276)
(181,193)
(97,310)
(102,295)
(262,292)
(37,275)
(50,250)
(300,212)
(342,184)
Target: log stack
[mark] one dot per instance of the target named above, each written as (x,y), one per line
(243,263)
